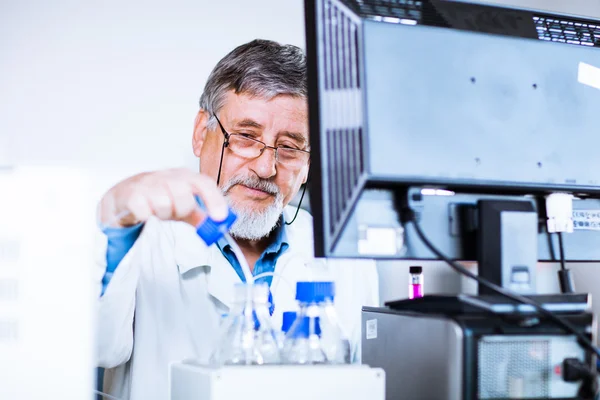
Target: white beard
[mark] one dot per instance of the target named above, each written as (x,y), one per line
(252,224)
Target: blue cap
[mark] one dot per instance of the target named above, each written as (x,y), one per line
(302,330)
(314,292)
(210,230)
(288,319)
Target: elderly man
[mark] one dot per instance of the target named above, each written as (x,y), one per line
(163,290)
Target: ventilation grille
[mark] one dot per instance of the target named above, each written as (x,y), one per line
(345,169)
(399,9)
(341,106)
(513,369)
(340,42)
(425,12)
(567,31)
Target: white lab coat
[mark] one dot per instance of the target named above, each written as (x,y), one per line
(165,299)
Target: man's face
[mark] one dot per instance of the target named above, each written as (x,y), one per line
(260,186)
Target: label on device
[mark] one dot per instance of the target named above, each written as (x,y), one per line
(586,220)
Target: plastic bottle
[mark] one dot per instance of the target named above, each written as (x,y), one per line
(333,338)
(415,282)
(303,342)
(316,336)
(288,319)
(247,337)
(211,230)
(267,348)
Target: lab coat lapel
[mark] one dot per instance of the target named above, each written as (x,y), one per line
(191,253)
(222,277)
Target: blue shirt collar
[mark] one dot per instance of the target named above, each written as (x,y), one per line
(279,244)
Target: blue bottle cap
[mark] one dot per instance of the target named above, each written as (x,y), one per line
(309,292)
(210,230)
(288,319)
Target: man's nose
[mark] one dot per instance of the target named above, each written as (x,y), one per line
(264,165)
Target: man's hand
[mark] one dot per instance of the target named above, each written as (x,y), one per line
(168,195)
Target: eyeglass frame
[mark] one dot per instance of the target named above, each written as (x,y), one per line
(227,135)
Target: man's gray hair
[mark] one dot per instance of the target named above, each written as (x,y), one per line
(261,68)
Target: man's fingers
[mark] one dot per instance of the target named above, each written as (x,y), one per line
(160,202)
(168,195)
(208,191)
(183,201)
(138,206)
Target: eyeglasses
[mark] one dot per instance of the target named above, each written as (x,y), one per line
(250,148)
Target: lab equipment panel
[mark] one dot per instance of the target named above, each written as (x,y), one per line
(192,381)
(470,357)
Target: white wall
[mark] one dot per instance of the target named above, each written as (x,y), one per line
(113,86)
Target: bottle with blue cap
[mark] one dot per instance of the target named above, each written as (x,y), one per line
(247,336)
(303,342)
(334,338)
(266,344)
(210,230)
(288,318)
(316,336)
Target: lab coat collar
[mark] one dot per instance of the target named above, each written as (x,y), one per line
(191,252)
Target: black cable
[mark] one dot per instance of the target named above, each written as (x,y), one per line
(299,204)
(581,338)
(550,245)
(561,248)
(564,275)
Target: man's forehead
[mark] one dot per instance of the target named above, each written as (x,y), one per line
(281,113)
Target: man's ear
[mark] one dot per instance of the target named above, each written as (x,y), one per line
(200,131)
(305,179)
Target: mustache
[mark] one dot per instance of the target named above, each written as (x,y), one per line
(253,183)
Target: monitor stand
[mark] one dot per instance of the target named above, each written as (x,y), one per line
(507,232)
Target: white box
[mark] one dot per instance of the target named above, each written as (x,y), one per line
(192,381)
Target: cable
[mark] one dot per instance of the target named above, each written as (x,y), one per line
(564,275)
(562,251)
(581,338)
(299,204)
(275,274)
(550,245)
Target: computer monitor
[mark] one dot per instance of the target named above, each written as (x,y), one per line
(439,105)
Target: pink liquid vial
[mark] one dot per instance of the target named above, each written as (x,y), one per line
(415,282)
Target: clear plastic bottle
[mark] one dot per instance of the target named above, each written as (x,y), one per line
(266,344)
(316,336)
(247,337)
(303,342)
(288,319)
(333,338)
